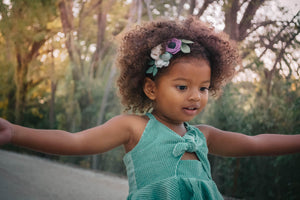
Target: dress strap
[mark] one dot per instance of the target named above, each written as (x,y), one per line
(150,116)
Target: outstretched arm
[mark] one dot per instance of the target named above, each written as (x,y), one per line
(102,138)
(227,143)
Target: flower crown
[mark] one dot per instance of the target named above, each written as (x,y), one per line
(162,59)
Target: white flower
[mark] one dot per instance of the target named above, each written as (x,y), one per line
(156,52)
(160,63)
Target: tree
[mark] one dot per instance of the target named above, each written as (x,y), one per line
(29,34)
(86,66)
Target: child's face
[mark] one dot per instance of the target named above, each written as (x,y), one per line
(181,92)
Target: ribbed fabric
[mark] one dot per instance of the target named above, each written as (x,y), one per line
(155,169)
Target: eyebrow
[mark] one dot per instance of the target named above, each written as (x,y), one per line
(184,79)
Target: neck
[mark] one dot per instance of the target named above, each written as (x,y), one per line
(177,127)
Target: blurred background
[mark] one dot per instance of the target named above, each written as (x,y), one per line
(57,71)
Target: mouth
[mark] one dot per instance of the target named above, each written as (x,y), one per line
(191,110)
(192,107)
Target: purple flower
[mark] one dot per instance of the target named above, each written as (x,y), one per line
(173,46)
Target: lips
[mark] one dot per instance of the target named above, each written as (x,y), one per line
(191,110)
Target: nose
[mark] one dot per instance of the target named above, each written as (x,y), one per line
(195,95)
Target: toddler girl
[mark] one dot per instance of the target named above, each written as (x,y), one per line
(167,70)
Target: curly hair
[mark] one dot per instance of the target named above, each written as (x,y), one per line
(134,56)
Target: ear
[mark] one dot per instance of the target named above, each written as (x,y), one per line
(149,88)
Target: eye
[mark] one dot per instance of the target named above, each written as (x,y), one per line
(181,87)
(203,89)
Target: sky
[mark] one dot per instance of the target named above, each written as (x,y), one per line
(293,5)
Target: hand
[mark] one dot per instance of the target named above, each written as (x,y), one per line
(6,131)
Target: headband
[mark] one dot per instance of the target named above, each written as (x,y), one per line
(162,58)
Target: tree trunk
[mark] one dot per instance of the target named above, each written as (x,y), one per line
(20,77)
(53,92)
(66,15)
(148,2)
(204,7)
(192,7)
(249,14)
(108,86)
(132,12)
(101,25)
(139,11)
(21,85)
(231,26)
(95,158)
(180,7)
(83,97)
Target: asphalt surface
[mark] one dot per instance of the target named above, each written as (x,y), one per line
(24,177)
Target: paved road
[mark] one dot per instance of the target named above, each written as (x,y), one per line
(25,177)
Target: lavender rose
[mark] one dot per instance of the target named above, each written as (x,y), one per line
(173,46)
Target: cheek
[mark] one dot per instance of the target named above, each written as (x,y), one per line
(204,100)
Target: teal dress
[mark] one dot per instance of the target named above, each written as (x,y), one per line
(156,172)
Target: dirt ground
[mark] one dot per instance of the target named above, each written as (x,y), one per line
(24,177)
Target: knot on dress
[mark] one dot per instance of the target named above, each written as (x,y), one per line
(190,144)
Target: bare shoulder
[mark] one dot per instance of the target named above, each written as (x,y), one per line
(205,129)
(134,125)
(209,132)
(130,121)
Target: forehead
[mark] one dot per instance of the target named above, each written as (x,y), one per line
(189,68)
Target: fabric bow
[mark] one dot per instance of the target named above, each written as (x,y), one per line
(190,144)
